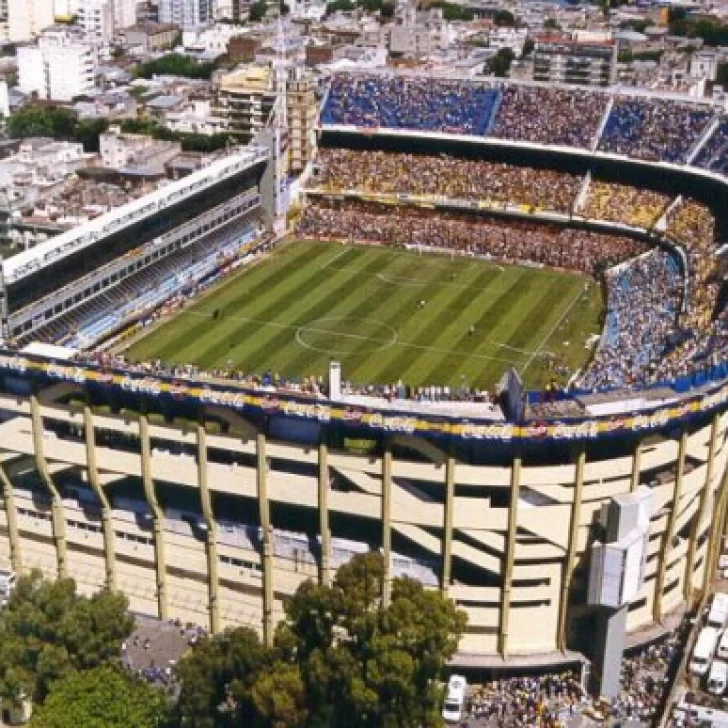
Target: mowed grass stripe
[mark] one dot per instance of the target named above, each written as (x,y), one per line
(487,327)
(219,344)
(530,317)
(432,333)
(463,316)
(373,307)
(406,318)
(300,283)
(295,310)
(399,304)
(371,296)
(170,340)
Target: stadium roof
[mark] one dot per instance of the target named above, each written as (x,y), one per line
(29,261)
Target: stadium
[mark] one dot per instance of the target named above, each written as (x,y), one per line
(173,425)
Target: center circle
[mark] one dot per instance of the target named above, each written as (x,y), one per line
(343,335)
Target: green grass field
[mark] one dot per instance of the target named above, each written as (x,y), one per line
(309,303)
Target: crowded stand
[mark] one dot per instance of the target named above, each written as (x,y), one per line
(643,302)
(714,153)
(624,204)
(703,332)
(654,129)
(443,176)
(549,116)
(512,241)
(400,102)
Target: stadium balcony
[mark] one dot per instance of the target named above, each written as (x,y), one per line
(83,289)
(411,103)
(714,153)
(645,128)
(654,129)
(178,274)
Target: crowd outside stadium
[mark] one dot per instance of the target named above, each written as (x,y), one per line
(384,173)
(559,699)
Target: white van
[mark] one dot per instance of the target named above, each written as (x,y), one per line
(704,650)
(454,707)
(722,652)
(718,677)
(718,614)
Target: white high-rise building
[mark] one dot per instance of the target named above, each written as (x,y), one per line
(59,68)
(24,19)
(125,14)
(96,17)
(187,14)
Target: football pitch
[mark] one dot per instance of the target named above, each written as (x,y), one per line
(386,315)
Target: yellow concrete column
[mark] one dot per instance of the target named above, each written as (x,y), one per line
(701,513)
(11,515)
(323,506)
(57,512)
(636,465)
(449,520)
(666,550)
(510,556)
(160,559)
(387,520)
(107,522)
(266,528)
(207,513)
(715,542)
(570,559)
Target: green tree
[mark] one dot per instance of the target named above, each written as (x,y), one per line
(48,632)
(217,680)
(258,10)
(364,664)
(528,47)
(504,18)
(279,695)
(41,120)
(175,64)
(345,6)
(104,697)
(500,64)
(551,24)
(453,11)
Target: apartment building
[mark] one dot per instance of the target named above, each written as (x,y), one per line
(187,14)
(246,99)
(59,68)
(24,19)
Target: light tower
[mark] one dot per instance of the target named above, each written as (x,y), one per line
(280,121)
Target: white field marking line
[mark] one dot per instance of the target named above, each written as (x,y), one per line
(415,283)
(512,348)
(422,347)
(341,253)
(551,331)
